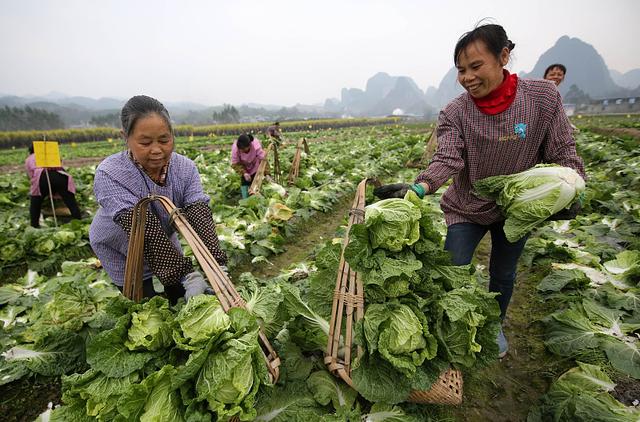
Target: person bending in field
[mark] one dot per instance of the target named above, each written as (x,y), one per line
(150,166)
(556,73)
(246,156)
(273,132)
(61,184)
(501,125)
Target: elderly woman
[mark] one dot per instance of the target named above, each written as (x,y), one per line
(150,166)
(501,125)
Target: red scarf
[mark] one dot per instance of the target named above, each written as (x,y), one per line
(500,98)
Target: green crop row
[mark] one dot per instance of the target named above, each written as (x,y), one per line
(24,138)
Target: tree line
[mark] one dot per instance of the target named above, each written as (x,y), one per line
(28,118)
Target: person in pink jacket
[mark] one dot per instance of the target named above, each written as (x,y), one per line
(246,156)
(61,184)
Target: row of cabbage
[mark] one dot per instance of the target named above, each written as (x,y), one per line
(107,146)
(23,138)
(593,266)
(253,228)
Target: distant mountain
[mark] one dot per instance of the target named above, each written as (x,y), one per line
(11,101)
(585,68)
(448,89)
(404,96)
(379,85)
(78,111)
(384,94)
(72,114)
(62,99)
(265,106)
(629,80)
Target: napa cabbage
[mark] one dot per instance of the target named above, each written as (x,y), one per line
(393,223)
(530,197)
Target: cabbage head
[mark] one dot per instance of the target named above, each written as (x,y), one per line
(397,332)
(232,373)
(392,223)
(151,326)
(199,320)
(530,197)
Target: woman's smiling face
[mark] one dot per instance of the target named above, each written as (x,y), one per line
(479,71)
(556,75)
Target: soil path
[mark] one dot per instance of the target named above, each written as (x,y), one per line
(506,390)
(320,228)
(619,131)
(68,163)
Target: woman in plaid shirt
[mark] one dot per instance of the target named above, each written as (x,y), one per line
(148,166)
(501,125)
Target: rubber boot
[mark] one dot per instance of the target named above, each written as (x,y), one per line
(244,191)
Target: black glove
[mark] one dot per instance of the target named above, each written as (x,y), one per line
(397,190)
(394,190)
(567,213)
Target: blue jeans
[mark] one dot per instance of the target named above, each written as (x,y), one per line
(461,242)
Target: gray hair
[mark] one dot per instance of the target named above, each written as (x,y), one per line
(142,106)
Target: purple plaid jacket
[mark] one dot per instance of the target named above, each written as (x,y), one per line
(473,145)
(118,185)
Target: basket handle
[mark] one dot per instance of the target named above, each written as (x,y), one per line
(294,171)
(135,251)
(348,293)
(262,168)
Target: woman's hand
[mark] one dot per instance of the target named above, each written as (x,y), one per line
(194,284)
(247,177)
(399,190)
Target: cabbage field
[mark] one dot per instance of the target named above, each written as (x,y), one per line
(69,339)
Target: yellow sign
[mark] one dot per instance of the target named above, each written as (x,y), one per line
(47,154)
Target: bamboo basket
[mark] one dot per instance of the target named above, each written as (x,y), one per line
(348,308)
(430,149)
(294,172)
(220,282)
(432,145)
(263,169)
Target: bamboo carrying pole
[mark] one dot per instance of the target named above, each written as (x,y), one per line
(53,206)
(256,185)
(277,175)
(221,284)
(297,158)
(430,149)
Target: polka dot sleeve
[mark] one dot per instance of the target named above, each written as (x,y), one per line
(199,216)
(165,261)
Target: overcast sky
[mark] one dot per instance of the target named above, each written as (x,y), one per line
(277,52)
